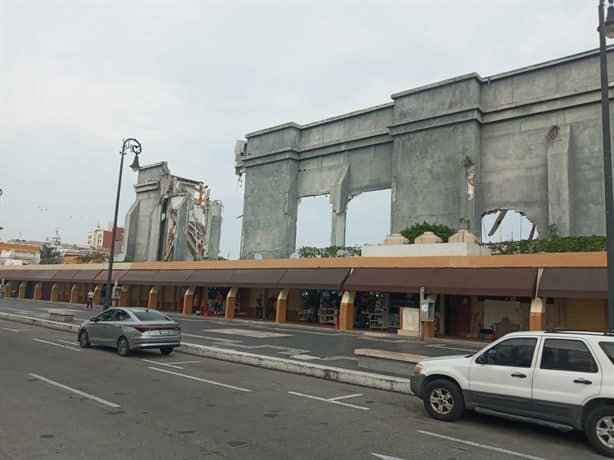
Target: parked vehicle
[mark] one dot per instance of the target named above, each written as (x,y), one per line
(128,329)
(564,379)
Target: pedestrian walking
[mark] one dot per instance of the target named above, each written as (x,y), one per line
(90,300)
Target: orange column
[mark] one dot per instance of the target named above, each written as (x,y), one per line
(231,299)
(282,306)
(188,301)
(429,329)
(38,291)
(55,294)
(97,295)
(152,299)
(346,311)
(74,294)
(21,294)
(7,289)
(537,316)
(124,297)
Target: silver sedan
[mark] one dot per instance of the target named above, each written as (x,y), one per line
(128,329)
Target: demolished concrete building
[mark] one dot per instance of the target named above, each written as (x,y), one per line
(172,219)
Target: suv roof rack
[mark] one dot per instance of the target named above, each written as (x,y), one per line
(572,331)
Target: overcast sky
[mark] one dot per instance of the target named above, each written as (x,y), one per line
(188,78)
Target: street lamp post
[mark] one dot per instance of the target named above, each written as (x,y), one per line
(606,28)
(135,146)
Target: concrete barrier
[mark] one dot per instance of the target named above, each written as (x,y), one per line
(49,324)
(336,374)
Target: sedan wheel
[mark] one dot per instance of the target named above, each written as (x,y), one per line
(84,339)
(123,347)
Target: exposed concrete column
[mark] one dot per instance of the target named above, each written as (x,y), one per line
(188,301)
(38,291)
(346,311)
(537,315)
(124,297)
(74,294)
(231,299)
(559,190)
(337,236)
(97,295)
(282,306)
(152,299)
(21,294)
(55,293)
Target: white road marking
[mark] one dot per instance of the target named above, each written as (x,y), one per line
(198,379)
(481,446)
(163,364)
(206,337)
(57,345)
(16,331)
(330,401)
(345,397)
(305,357)
(68,342)
(247,333)
(386,457)
(74,390)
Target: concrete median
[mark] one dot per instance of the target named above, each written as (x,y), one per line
(366,379)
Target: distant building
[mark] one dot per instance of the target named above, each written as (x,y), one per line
(19,254)
(99,239)
(172,219)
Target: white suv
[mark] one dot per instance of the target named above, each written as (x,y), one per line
(559,378)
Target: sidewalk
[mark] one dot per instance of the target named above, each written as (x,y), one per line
(296,342)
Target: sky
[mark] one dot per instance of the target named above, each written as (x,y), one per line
(189,78)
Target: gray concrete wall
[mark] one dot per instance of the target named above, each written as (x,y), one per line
(532,135)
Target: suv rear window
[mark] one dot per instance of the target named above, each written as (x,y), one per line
(150,315)
(567,355)
(608,349)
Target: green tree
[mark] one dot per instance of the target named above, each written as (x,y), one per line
(93,257)
(442,231)
(311,252)
(50,255)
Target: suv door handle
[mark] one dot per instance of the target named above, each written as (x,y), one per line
(583,381)
(520,375)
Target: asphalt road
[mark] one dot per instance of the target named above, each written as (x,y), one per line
(58,401)
(318,345)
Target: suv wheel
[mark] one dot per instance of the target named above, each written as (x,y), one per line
(599,428)
(443,400)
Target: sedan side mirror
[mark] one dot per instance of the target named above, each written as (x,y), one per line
(94,319)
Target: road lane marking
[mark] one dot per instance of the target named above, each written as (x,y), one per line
(247,333)
(346,397)
(386,457)
(16,331)
(57,345)
(184,362)
(163,364)
(198,379)
(481,446)
(68,342)
(330,401)
(75,391)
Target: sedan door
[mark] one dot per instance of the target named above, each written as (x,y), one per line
(567,376)
(501,378)
(97,329)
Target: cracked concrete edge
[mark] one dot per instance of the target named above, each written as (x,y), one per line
(336,374)
(366,379)
(49,324)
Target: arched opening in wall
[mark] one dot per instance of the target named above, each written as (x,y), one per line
(313,222)
(368,218)
(507,225)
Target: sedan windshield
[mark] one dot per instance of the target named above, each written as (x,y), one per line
(150,315)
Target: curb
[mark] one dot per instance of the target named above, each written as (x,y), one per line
(49,324)
(365,379)
(336,374)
